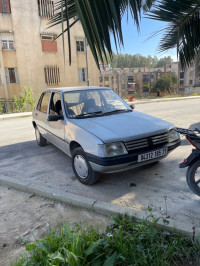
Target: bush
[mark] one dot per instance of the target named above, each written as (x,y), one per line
(1,108)
(25,102)
(125,242)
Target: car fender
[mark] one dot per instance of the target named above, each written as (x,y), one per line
(88,141)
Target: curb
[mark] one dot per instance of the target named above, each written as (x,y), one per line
(164,100)
(15,115)
(27,114)
(100,207)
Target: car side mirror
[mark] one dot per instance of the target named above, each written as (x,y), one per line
(55,117)
(132,106)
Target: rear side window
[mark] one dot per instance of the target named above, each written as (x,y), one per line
(43,102)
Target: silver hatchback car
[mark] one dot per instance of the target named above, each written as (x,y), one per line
(99,131)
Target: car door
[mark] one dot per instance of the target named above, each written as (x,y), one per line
(40,114)
(55,129)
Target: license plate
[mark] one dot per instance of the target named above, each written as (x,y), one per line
(152,155)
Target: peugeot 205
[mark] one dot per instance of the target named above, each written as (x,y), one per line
(100,131)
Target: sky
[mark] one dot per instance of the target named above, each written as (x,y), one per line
(137,43)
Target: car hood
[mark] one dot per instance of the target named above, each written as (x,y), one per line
(123,126)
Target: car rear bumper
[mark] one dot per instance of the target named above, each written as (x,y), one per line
(127,161)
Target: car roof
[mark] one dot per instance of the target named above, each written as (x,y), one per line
(64,89)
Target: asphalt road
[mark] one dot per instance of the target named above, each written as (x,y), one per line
(161,186)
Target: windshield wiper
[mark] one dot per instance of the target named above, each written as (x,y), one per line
(117,111)
(88,114)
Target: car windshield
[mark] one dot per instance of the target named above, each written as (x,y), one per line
(93,102)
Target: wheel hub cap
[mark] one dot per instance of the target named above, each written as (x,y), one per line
(80,166)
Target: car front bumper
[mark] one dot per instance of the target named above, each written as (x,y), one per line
(127,161)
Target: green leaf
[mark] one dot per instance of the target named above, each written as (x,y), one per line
(57,256)
(93,246)
(182,30)
(111,260)
(100,19)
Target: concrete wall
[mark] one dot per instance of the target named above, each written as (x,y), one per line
(30,60)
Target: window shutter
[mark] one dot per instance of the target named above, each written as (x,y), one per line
(7,75)
(8,6)
(86,74)
(1,6)
(16,75)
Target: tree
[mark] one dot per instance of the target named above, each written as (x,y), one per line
(129,61)
(165,84)
(182,32)
(162,62)
(100,19)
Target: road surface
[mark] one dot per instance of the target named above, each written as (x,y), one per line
(162,186)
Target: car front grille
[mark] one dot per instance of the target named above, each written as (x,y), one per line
(147,142)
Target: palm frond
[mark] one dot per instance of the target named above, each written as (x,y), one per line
(182,32)
(99,19)
(148,4)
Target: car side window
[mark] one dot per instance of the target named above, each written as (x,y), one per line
(43,103)
(55,104)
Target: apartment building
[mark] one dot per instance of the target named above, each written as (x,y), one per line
(188,81)
(127,81)
(29,55)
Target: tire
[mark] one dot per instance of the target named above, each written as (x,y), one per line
(193,177)
(82,169)
(39,138)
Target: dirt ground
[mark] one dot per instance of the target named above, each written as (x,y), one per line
(26,216)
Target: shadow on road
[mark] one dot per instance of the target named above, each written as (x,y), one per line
(50,167)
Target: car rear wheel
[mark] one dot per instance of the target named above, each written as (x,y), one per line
(39,138)
(82,169)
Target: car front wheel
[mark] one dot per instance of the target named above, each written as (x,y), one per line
(40,139)
(82,169)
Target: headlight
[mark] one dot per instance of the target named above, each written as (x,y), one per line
(173,135)
(112,149)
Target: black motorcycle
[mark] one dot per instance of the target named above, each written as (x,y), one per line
(193,160)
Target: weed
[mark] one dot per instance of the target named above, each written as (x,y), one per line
(25,102)
(125,242)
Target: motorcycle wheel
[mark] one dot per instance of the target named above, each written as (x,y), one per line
(193,177)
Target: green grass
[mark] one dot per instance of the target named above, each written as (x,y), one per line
(125,242)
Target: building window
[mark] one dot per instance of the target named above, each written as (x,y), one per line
(181,75)
(191,73)
(130,78)
(82,74)
(5,6)
(7,45)
(11,75)
(80,46)
(145,78)
(45,8)
(48,44)
(52,75)
(47,37)
(190,82)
